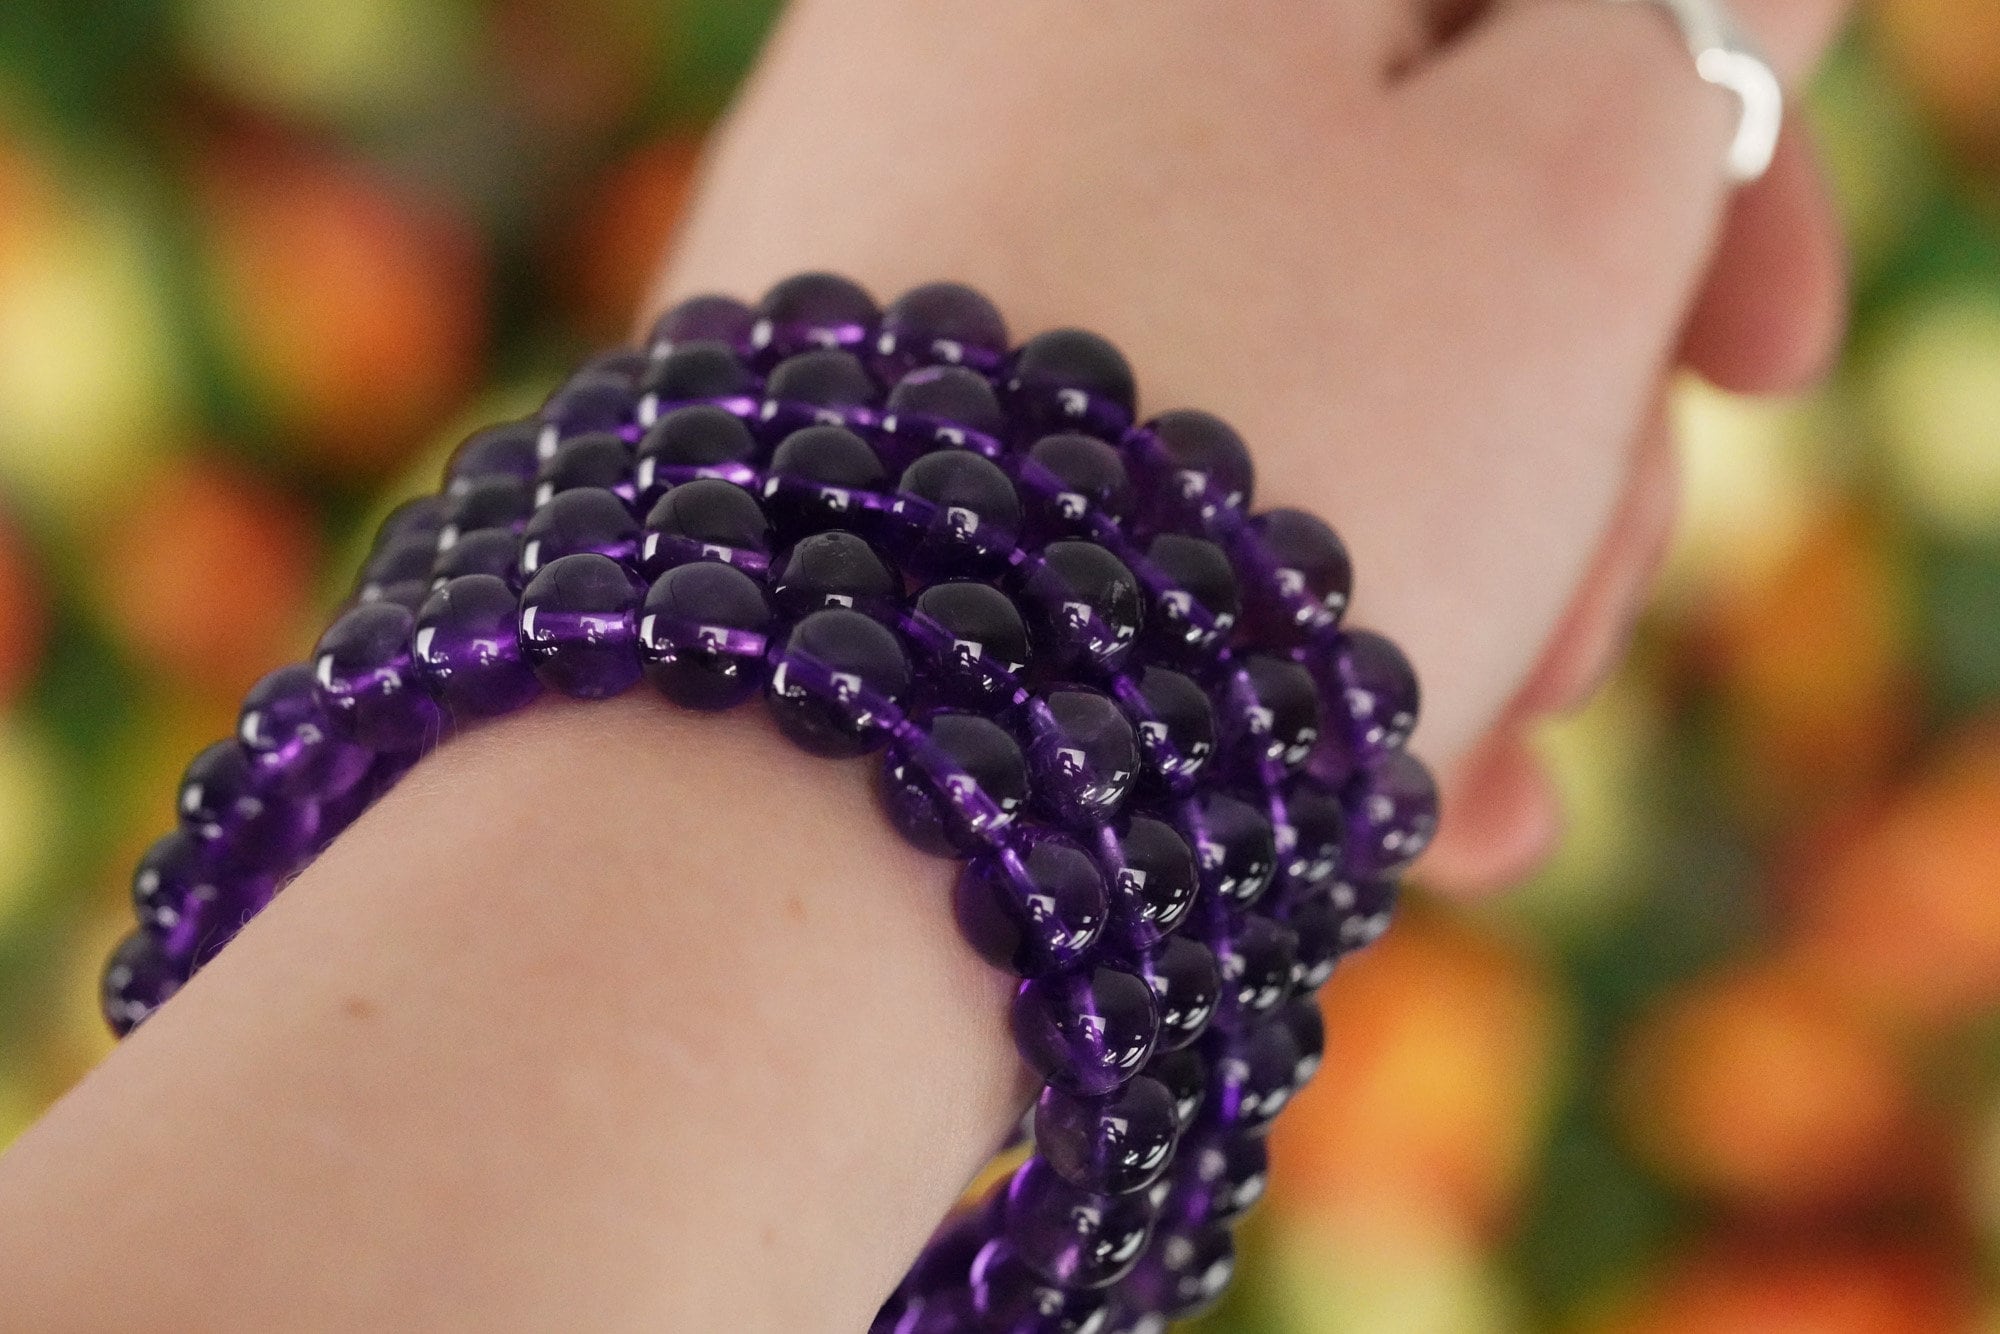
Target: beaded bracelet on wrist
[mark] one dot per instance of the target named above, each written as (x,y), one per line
(1177,782)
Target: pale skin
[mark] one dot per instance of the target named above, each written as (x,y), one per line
(613,1017)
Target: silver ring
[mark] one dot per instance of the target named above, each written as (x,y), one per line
(1726,57)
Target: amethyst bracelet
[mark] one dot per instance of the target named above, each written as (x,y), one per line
(1177,783)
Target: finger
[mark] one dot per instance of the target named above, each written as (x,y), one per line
(1773,305)
(1502,819)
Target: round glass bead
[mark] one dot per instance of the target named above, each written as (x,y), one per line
(718,318)
(1258,958)
(178,893)
(698,372)
(812,310)
(970,641)
(287,737)
(494,551)
(1250,1074)
(1304,578)
(589,401)
(1031,910)
(1219,1178)
(138,980)
(1365,905)
(1307,1025)
(598,460)
(1084,756)
(1187,985)
(1154,884)
(834,569)
(814,477)
(1176,727)
(1183,1273)
(1392,817)
(1319,832)
(402,559)
(691,442)
(419,516)
(1069,379)
(1184,1074)
(368,683)
(1233,844)
(1010,1298)
(1087,1031)
(1075,480)
(1206,466)
(467,648)
(1084,607)
(707,519)
(508,450)
(1199,606)
(825,378)
(956,785)
(838,680)
(579,631)
(940,324)
(489,502)
(955,515)
(703,629)
(1316,923)
(587,519)
(1075,1239)
(937,406)
(1279,722)
(1112,1143)
(1379,692)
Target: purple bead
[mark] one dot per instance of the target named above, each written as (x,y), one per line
(399,560)
(1084,607)
(710,318)
(706,520)
(1258,958)
(468,651)
(703,631)
(1250,1076)
(618,363)
(1392,814)
(1197,607)
(1298,575)
(1276,719)
(1316,923)
(812,310)
(1085,1032)
(1364,905)
(1184,1074)
(689,443)
(955,515)
(494,551)
(579,627)
(1071,380)
(1202,466)
(490,502)
(955,784)
(835,569)
(573,522)
(816,480)
(939,1312)
(598,460)
(179,894)
(508,450)
(970,642)
(1114,1143)
(1307,1025)
(838,681)
(704,373)
(1075,481)
(1217,1180)
(1312,853)
(822,379)
(1182,1274)
(1084,756)
(1031,910)
(238,818)
(1075,1239)
(945,407)
(419,516)
(1175,724)
(589,401)
(1010,1298)
(138,980)
(1153,880)
(1187,984)
(368,683)
(1233,844)
(947,1257)
(940,324)
(287,736)
(1379,691)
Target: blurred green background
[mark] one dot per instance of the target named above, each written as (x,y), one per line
(1731,1064)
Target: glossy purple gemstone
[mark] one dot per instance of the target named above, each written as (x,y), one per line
(367,680)
(1202,466)
(1250,1076)
(955,516)
(1182,1274)
(288,738)
(1112,1143)
(1391,816)
(1084,607)
(508,450)
(1233,844)
(1084,756)
(397,561)
(1297,575)
(1187,983)
(1364,906)
(940,324)
(588,401)
(697,373)
(1175,722)
(1153,879)
(1087,1031)
(1184,1074)
(1196,601)
(489,502)
(1316,923)
(706,520)
(1378,691)
(494,551)
(579,629)
(940,1311)
(1011,1298)
(970,642)
(1258,959)
(419,516)
(179,894)
(570,523)
(1074,1238)
(1318,823)
(468,651)
(1071,380)
(598,460)
(815,385)
(1217,1180)
(835,569)
(953,783)
(138,979)
(703,632)
(838,681)
(710,318)
(818,479)
(1031,910)
(812,310)
(1073,483)
(1277,714)
(237,817)
(945,407)
(689,443)
(1302,1016)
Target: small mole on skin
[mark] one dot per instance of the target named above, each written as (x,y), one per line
(795,907)
(358,1007)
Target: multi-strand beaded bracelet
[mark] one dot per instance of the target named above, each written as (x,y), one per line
(1128,704)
